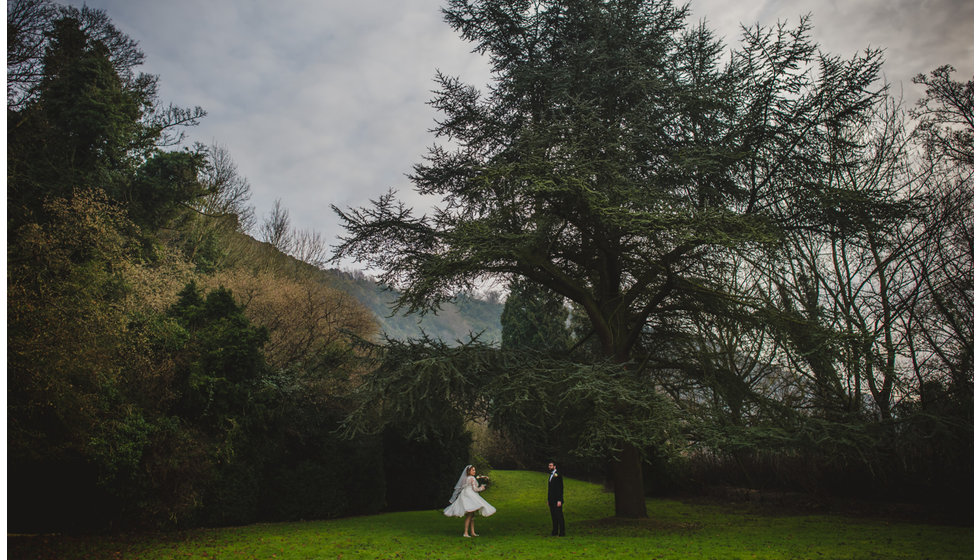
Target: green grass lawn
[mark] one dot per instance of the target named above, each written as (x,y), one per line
(521,528)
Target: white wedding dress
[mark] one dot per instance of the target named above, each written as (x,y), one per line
(469,500)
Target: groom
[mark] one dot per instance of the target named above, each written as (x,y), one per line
(556,497)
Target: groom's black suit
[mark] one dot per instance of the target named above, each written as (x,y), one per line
(556,495)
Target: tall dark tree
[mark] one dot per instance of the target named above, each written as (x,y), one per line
(81,129)
(80,117)
(29,33)
(610,159)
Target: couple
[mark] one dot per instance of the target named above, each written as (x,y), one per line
(466,501)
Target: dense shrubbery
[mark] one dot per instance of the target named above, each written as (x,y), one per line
(164,369)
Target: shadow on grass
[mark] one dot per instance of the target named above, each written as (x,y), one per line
(639,527)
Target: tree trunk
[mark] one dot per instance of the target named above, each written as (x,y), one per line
(628,484)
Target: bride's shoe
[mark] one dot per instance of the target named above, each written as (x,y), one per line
(465,535)
(475,535)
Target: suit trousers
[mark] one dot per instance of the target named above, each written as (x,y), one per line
(557,520)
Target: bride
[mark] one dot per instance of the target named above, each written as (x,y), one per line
(466,502)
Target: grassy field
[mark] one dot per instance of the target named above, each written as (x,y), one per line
(520,529)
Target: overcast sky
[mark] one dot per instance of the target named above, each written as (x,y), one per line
(323,102)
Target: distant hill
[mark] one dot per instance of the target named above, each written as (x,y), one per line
(453,322)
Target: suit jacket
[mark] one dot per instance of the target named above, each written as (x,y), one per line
(556,489)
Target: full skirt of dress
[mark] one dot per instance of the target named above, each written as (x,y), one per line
(467,501)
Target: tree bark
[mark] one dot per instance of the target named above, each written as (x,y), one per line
(628,484)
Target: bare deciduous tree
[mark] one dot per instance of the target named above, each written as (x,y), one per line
(310,247)
(228,193)
(942,333)
(275,230)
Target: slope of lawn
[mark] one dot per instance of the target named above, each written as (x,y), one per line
(521,528)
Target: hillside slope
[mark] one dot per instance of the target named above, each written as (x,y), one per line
(456,321)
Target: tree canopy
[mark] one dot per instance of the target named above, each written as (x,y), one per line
(79,116)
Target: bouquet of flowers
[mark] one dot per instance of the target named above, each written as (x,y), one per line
(483,480)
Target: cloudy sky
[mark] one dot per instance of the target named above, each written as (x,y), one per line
(323,102)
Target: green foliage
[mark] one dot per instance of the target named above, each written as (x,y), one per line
(163,184)
(547,405)
(82,128)
(219,366)
(308,490)
(229,345)
(161,419)
(613,154)
(314,472)
(66,302)
(534,318)
(588,411)
(912,455)
(423,386)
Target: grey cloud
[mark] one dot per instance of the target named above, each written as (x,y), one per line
(917,36)
(324,102)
